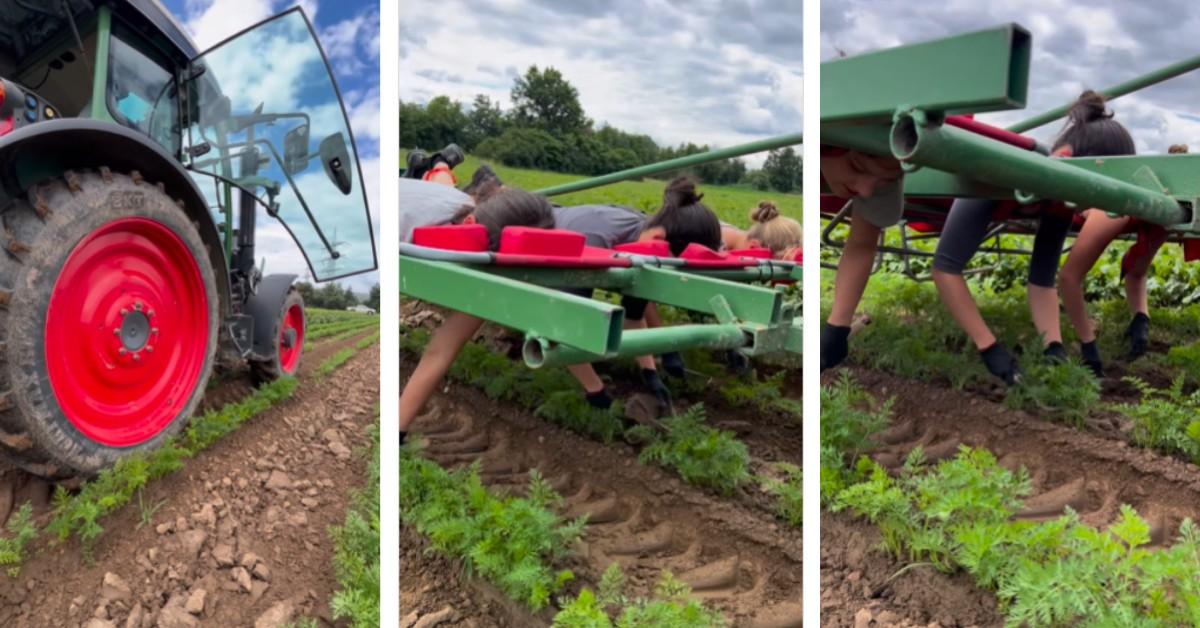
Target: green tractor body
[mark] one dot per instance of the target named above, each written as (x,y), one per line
(134,170)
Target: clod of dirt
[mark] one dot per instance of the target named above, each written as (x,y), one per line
(195,601)
(175,615)
(191,542)
(278,481)
(223,553)
(277,616)
(436,619)
(96,622)
(115,589)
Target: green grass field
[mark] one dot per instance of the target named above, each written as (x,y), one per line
(731,203)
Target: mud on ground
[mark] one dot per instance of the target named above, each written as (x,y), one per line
(238,537)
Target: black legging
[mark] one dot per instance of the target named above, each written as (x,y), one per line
(967,226)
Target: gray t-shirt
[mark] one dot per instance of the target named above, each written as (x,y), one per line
(424,203)
(604,226)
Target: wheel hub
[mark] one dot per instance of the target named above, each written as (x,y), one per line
(135,331)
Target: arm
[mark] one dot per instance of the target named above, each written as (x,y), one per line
(443,348)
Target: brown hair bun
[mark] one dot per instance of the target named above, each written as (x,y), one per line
(681,193)
(765,212)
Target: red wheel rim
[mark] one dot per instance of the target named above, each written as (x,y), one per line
(126,332)
(289,352)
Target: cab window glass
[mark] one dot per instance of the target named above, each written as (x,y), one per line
(141,94)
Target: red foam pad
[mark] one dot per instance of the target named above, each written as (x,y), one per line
(924,227)
(654,248)
(755,253)
(545,242)
(700,252)
(1191,250)
(470,238)
(587,260)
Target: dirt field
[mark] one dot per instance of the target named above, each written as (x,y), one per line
(733,551)
(1092,471)
(240,534)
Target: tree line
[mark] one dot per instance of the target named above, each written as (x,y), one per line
(547,129)
(334,296)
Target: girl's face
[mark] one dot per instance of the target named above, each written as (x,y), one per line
(469,220)
(651,234)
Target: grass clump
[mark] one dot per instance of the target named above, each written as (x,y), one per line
(850,417)
(789,491)
(356,550)
(702,456)
(80,514)
(512,542)
(764,395)
(671,606)
(21,531)
(570,410)
(1165,419)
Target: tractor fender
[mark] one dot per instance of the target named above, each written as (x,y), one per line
(45,150)
(264,306)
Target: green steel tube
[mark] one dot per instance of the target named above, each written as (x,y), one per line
(1132,85)
(919,142)
(674,164)
(540,352)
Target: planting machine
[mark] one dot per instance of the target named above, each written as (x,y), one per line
(917,103)
(521,284)
(133,171)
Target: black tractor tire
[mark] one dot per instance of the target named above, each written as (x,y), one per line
(271,369)
(39,235)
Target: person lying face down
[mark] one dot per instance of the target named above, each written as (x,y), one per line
(1089,131)
(770,230)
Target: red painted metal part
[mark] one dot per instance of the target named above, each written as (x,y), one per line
(289,357)
(994,132)
(115,393)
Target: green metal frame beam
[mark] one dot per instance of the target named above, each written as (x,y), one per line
(590,325)
(921,140)
(675,164)
(539,352)
(976,72)
(751,304)
(1132,85)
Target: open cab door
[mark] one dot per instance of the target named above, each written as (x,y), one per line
(263,116)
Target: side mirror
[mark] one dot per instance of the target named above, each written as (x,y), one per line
(336,159)
(295,150)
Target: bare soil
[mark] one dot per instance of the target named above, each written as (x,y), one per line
(239,537)
(733,551)
(1093,472)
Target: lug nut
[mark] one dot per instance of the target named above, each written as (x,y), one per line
(124,311)
(137,306)
(137,358)
(121,351)
(149,349)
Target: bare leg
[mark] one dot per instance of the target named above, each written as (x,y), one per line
(443,348)
(644,361)
(956,297)
(1043,306)
(854,270)
(651,317)
(587,377)
(1097,232)
(1135,286)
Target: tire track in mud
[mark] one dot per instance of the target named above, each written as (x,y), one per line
(1087,471)
(735,555)
(221,500)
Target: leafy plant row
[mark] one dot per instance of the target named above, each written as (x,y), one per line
(114,487)
(670,606)
(319,316)
(356,550)
(703,456)
(959,514)
(334,361)
(315,333)
(511,541)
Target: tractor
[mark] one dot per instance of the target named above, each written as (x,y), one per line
(134,169)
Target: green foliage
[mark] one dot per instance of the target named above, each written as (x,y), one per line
(702,455)
(1186,358)
(331,363)
(568,409)
(783,169)
(21,530)
(789,491)
(764,395)
(342,329)
(331,295)
(959,514)
(850,417)
(670,607)
(80,514)
(367,342)
(356,550)
(513,542)
(1165,419)
(1068,391)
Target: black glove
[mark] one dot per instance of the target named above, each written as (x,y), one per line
(738,363)
(1139,335)
(655,386)
(402,435)
(835,345)
(1056,353)
(599,399)
(673,364)
(1091,357)
(417,164)
(999,362)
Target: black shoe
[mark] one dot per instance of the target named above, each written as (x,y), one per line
(1056,353)
(1138,335)
(655,386)
(417,165)
(1091,357)
(1001,363)
(738,363)
(599,400)
(403,434)
(451,155)
(673,364)
(835,345)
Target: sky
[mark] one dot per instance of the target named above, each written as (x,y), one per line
(349,33)
(702,71)
(1077,45)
